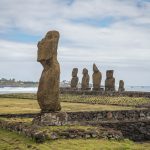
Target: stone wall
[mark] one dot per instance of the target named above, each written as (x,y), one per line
(126,115)
(121,115)
(29,115)
(65,118)
(136,131)
(133,124)
(39,135)
(103,93)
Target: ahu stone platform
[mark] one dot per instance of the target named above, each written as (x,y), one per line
(132,124)
(101,92)
(68,118)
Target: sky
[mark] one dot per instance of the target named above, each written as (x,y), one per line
(114,34)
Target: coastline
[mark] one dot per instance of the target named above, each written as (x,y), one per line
(33,89)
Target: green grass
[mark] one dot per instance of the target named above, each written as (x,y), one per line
(107,100)
(13,141)
(12,105)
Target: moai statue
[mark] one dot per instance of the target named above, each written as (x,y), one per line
(110,81)
(121,86)
(75,79)
(85,80)
(48,90)
(97,77)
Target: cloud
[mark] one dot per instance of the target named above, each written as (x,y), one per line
(111,33)
(15,51)
(36,15)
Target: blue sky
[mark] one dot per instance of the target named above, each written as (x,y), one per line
(114,34)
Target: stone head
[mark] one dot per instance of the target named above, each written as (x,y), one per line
(121,83)
(47,48)
(95,69)
(109,74)
(85,71)
(74,72)
(52,34)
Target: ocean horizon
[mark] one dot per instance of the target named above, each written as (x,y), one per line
(9,90)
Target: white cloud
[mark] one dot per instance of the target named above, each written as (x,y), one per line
(124,43)
(15,51)
(36,15)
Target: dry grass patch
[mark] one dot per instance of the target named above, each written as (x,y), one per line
(13,106)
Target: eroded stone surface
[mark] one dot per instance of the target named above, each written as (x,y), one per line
(110,81)
(52,119)
(48,90)
(121,86)
(85,79)
(75,79)
(97,77)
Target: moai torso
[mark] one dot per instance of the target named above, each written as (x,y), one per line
(85,79)
(121,86)
(97,77)
(48,90)
(110,81)
(75,79)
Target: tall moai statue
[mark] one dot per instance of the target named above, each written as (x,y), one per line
(121,86)
(110,81)
(48,89)
(75,79)
(85,80)
(97,77)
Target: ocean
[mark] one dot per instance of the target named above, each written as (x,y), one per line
(7,90)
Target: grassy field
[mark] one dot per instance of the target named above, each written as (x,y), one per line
(26,103)
(12,105)
(106,100)
(13,141)
(130,101)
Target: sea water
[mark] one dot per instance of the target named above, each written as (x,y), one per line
(7,90)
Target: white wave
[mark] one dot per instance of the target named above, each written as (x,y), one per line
(6,90)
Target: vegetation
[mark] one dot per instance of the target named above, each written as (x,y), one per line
(13,83)
(11,141)
(14,120)
(105,100)
(25,103)
(13,106)
(19,95)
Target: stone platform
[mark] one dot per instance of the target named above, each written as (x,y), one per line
(67,118)
(101,92)
(51,119)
